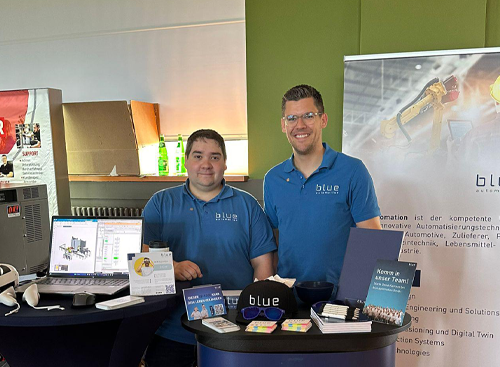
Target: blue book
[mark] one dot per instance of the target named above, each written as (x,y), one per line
(364,248)
(389,291)
(204,302)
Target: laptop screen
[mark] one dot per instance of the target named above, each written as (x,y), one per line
(84,246)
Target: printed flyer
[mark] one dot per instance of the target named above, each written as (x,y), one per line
(389,290)
(151,273)
(204,301)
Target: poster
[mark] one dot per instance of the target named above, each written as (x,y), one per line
(427,126)
(26,141)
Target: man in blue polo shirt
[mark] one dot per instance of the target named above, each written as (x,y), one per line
(217,234)
(313,198)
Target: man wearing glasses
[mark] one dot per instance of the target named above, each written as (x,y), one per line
(313,198)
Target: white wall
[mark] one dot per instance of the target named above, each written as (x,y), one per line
(186,55)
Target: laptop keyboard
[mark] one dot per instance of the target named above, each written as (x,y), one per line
(84,281)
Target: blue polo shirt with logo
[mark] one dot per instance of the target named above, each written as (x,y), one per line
(314,215)
(221,236)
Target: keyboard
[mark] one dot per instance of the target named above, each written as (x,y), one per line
(83,281)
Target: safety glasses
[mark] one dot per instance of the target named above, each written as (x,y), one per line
(271,313)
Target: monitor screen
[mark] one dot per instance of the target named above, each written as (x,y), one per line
(93,246)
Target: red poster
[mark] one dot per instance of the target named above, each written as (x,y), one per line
(13,107)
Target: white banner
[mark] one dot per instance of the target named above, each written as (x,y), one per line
(427,126)
(26,141)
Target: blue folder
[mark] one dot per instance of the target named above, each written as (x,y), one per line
(364,248)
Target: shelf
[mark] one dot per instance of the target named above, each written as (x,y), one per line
(96,178)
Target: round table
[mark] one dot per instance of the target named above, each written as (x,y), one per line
(82,336)
(376,348)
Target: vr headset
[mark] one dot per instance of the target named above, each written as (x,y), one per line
(8,277)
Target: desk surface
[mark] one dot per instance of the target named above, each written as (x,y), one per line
(28,316)
(280,341)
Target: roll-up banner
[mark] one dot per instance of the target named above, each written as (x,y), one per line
(427,126)
(26,141)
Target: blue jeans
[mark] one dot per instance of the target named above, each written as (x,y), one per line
(165,352)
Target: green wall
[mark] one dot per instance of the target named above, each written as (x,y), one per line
(291,42)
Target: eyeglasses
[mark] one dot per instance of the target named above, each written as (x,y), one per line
(307,118)
(271,313)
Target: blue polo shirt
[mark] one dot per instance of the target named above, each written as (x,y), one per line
(221,236)
(314,215)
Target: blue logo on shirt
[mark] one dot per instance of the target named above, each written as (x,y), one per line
(327,189)
(226,217)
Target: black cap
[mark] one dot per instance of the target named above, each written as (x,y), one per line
(267,293)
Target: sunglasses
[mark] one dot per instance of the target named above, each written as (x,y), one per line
(271,313)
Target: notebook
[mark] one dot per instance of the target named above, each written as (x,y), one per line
(364,248)
(89,254)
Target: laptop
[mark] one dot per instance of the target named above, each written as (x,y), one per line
(89,254)
(364,248)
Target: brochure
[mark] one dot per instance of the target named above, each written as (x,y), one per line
(204,301)
(389,291)
(151,273)
(220,324)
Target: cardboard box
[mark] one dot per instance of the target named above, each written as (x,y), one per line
(102,135)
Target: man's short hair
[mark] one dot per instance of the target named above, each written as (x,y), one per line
(300,92)
(206,134)
(4,155)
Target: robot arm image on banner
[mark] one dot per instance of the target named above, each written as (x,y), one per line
(434,94)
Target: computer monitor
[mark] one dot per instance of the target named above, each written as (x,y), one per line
(90,246)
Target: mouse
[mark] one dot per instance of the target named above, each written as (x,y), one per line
(83,299)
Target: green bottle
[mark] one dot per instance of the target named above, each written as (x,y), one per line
(162,157)
(180,170)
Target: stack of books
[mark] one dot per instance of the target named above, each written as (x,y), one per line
(261,327)
(220,324)
(331,325)
(300,325)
